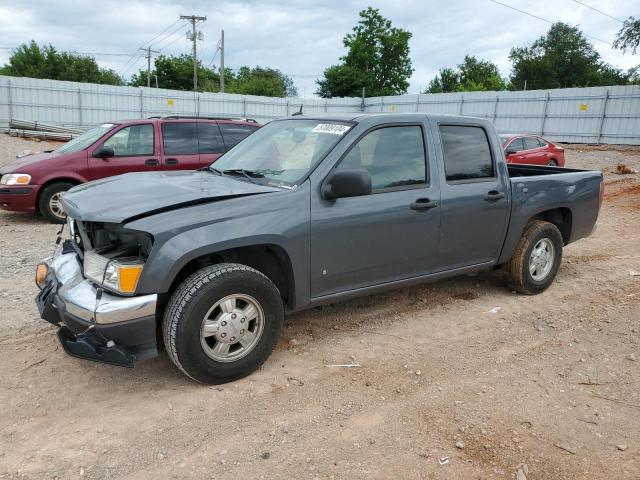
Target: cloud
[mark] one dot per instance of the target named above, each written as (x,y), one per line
(302,38)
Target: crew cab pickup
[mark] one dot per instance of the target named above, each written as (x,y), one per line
(36,183)
(306,211)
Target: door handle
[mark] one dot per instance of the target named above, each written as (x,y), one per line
(152,162)
(171,161)
(422,204)
(493,196)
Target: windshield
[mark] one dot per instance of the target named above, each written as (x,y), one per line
(282,152)
(86,139)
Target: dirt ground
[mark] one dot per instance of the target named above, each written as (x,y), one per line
(546,384)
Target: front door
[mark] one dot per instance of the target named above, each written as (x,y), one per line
(134,151)
(389,235)
(474,200)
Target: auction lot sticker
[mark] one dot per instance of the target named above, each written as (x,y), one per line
(331,128)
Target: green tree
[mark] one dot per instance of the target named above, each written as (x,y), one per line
(628,38)
(32,60)
(447,80)
(176,73)
(471,75)
(559,59)
(268,82)
(377,59)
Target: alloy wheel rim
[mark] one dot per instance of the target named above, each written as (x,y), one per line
(232,327)
(541,259)
(55,205)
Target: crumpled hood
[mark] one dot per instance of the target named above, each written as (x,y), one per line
(18,163)
(136,195)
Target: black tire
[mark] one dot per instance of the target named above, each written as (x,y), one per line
(44,202)
(188,306)
(552,163)
(517,271)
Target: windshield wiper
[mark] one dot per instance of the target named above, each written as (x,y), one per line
(246,173)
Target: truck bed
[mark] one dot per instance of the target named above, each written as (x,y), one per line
(520,170)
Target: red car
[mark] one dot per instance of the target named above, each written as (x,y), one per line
(531,149)
(36,182)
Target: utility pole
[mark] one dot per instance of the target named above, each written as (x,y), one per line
(194,37)
(222,62)
(148,56)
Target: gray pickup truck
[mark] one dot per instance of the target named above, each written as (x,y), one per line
(305,211)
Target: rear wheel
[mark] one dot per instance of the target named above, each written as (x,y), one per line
(552,163)
(223,322)
(537,258)
(49,203)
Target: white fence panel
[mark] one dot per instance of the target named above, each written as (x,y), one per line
(590,115)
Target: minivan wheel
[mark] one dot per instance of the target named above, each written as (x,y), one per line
(537,258)
(552,163)
(222,322)
(49,203)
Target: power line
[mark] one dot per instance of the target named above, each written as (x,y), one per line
(544,19)
(599,11)
(159,35)
(169,35)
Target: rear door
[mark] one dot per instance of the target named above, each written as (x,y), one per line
(234,133)
(180,146)
(210,143)
(474,198)
(135,150)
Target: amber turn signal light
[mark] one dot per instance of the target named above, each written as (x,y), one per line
(41,274)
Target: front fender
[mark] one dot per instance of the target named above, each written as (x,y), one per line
(281,220)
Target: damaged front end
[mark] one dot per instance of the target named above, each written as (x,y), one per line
(88,291)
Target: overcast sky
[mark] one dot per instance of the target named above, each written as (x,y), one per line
(301,37)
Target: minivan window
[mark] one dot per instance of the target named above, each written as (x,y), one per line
(234,133)
(394,156)
(85,140)
(467,154)
(132,141)
(209,138)
(180,138)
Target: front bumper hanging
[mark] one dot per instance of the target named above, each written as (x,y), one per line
(112,329)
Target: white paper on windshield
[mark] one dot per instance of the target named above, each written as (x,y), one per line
(333,128)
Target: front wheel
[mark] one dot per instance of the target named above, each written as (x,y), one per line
(552,163)
(222,323)
(50,204)
(537,258)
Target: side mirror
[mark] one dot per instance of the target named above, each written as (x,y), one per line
(347,183)
(104,152)
(510,151)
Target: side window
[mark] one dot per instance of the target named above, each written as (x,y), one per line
(467,153)
(234,133)
(209,138)
(530,143)
(180,138)
(516,146)
(132,141)
(394,156)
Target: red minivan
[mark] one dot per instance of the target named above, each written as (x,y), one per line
(531,149)
(36,182)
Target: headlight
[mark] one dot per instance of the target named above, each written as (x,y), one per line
(119,275)
(15,179)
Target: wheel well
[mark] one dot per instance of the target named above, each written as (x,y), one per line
(271,260)
(51,182)
(561,218)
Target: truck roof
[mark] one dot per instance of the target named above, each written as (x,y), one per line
(359,117)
